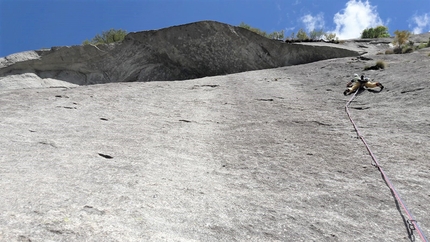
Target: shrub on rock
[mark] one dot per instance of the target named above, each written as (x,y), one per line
(107,37)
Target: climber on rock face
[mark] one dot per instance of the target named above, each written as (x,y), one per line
(360,82)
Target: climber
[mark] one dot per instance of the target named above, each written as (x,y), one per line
(358,82)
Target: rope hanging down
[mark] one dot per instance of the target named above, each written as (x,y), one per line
(413,225)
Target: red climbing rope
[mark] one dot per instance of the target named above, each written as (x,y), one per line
(413,225)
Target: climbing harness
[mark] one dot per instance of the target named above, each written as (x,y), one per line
(412,223)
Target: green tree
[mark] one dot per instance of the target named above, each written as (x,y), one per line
(292,36)
(255,30)
(401,37)
(301,35)
(279,35)
(382,32)
(367,33)
(330,36)
(377,32)
(107,37)
(316,34)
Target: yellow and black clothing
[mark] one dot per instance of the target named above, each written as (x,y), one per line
(357,82)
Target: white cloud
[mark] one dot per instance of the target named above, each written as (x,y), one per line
(313,22)
(356,17)
(421,22)
(297,2)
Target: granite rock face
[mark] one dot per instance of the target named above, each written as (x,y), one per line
(266,155)
(182,52)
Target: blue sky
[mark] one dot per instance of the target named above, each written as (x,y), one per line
(35,24)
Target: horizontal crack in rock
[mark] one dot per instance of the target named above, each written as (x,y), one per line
(105,156)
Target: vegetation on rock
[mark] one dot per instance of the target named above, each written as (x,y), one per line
(107,37)
(273,35)
(377,32)
(301,35)
(401,37)
(378,66)
(330,36)
(316,34)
